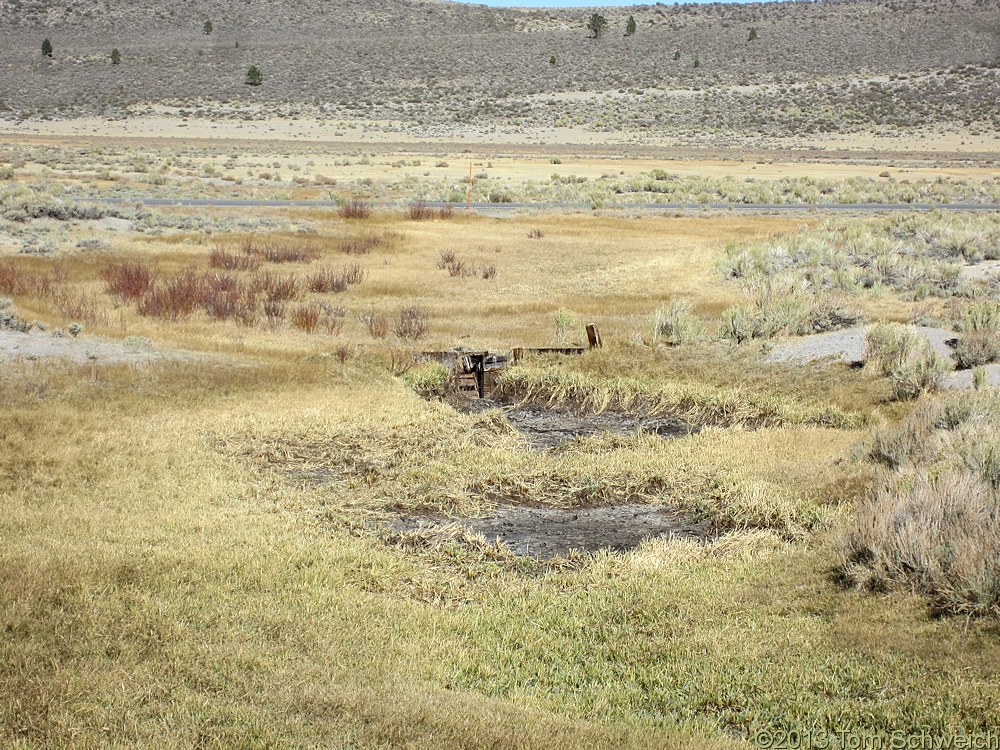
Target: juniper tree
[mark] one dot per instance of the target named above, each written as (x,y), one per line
(254,76)
(116,56)
(207,27)
(47,47)
(630,26)
(597,24)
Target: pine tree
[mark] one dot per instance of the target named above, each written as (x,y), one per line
(47,48)
(630,26)
(116,56)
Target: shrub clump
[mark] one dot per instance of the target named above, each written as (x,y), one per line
(979,343)
(933,523)
(675,324)
(907,359)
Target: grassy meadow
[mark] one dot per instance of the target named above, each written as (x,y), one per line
(197,552)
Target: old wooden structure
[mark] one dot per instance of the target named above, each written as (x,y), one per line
(475,372)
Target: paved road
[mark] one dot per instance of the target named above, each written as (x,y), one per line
(737,207)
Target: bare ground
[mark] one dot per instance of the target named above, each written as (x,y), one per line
(39,346)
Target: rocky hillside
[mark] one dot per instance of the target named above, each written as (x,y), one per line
(826,65)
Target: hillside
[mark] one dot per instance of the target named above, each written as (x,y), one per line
(831,66)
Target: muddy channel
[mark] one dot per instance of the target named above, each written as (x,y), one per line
(550,427)
(544,533)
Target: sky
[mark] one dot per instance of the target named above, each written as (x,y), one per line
(577,3)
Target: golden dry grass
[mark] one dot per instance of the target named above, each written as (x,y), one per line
(159,592)
(193,552)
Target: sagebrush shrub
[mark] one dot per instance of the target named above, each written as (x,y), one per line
(907,359)
(675,324)
(932,523)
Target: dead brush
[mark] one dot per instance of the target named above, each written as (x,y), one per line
(173,299)
(274,312)
(275,287)
(354,274)
(447,258)
(224,297)
(343,353)
(456,268)
(306,317)
(127,280)
(220,257)
(12,279)
(420,211)
(355,209)
(326,281)
(411,323)
(275,251)
(376,324)
(364,244)
(76,304)
(331,319)
(488,271)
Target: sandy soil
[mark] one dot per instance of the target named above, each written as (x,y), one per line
(38,346)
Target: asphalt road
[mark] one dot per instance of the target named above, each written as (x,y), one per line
(735,207)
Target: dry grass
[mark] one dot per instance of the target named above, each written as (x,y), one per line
(147,560)
(195,552)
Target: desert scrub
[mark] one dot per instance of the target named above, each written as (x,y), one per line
(979,343)
(906,358)
(932,525)
(780,303)
(693,402)
(918,254)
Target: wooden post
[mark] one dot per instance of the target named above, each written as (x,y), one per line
(594,336)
